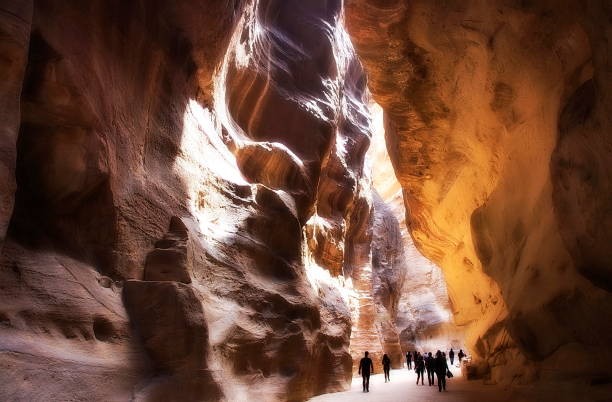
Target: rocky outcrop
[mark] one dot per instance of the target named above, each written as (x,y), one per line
(178,166)
(389,274)
(169,321)
(102,103)
(496,133)
(171,258)
(424,314)
(422,318)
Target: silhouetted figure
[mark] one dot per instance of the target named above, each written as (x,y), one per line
(364,369)
(461,355)
(451,356)
(441,369)
(386,362)
(430,363)
(409,360)
(419,367)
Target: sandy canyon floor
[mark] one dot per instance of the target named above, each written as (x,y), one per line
(402,388)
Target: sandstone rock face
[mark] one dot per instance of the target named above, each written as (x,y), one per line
(495,118)
(172,328)
(389,274)
(170,260)
(423,317)
(102,103)
(15,26)
(186,207)
(192,199)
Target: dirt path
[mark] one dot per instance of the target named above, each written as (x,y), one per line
(402,388)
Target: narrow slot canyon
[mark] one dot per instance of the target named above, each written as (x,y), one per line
(233,200)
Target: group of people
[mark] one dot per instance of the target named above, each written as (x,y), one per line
(434,365)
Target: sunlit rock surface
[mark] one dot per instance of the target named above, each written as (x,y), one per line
(186,207)
(422,312)
(496,117)
(191,204)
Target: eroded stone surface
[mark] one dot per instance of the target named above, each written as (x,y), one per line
(177,152)
(15,27)
(207,161)
(479,122)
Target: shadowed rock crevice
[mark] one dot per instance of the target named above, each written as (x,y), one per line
(64,195)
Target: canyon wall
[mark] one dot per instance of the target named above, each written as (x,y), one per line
(496,120)
(184,199)
(423,316)
(186,206)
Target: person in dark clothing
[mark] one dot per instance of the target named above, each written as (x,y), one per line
(364,369)
(429,366)
(451,356)
(409,360)
(419,367)
(441,369)
(386,362)
(461,355)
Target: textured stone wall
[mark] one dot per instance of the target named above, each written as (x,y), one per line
(178,166)
(186,208)
(422,311)
(496,122)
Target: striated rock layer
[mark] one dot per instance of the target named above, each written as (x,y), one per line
(191,201)
(496,118)
(389,274)
(422,313)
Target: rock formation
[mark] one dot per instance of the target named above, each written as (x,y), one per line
(422,312)
(187,210)
(495,118)
(178,166)
(389,274)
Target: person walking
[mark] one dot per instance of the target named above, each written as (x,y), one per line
(419,367)
(386,362)
(461,355)
(430,367)
(451,356)
(441,369)
(364,369)
(409,360)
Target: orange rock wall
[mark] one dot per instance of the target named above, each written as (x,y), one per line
(422,314)
(495,123)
